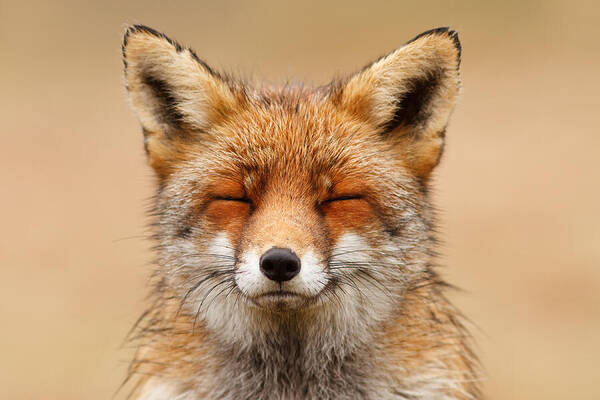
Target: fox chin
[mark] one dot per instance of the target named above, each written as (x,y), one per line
(294,231)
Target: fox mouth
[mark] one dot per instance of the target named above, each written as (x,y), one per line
(279,294)
(281,300)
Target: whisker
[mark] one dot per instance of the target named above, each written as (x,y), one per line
(364,251)
(204,299)
(197,285)
(230,286)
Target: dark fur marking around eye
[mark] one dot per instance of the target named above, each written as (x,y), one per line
(168,103)
(412,107)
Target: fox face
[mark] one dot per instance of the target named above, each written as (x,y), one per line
(292,207)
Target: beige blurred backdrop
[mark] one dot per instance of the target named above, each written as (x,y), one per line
(518,188)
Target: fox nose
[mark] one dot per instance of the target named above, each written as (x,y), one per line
(280,265)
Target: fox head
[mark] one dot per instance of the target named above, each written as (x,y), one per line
(294,203)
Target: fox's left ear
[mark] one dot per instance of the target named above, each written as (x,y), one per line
(408,96)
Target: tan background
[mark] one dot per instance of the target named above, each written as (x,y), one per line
(518,187)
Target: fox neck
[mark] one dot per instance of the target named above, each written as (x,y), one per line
(319,353)
(294,358)
(292,367)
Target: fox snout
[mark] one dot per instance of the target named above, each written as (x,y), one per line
(282,248)
(280,275)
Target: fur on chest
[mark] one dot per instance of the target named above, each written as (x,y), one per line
(288,371)
(291,371)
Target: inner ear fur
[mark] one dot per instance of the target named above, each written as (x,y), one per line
(174,93)
(408,96)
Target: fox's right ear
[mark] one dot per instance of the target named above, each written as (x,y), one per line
(174,93)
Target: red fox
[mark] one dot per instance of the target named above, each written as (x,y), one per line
(294,230)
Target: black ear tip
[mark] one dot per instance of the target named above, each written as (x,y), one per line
(133,29)
(454,36)
(442,31)
(137,28)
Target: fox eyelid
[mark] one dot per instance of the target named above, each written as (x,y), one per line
(238,199)
(342,198)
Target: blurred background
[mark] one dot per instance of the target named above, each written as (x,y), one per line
(518,188)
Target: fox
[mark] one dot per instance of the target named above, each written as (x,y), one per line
(294,231)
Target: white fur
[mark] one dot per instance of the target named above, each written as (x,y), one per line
(363,294)
(221,246)
(250,279)
(363,302)
(309,282)
(162,390)
(312,278)
(336,327)
(351,247)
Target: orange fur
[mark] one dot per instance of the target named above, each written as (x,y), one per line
(338,175)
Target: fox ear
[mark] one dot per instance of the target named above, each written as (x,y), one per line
(409,95)
(173,92)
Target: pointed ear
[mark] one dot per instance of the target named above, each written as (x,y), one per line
(173,92)
(408,96)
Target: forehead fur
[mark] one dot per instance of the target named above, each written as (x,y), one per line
(287,134)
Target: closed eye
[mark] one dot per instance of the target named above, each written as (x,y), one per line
(238,199)
(342,198)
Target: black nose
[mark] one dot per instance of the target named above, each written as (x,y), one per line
(280,265)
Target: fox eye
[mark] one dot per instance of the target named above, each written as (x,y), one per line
(342,198)
(236,199)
